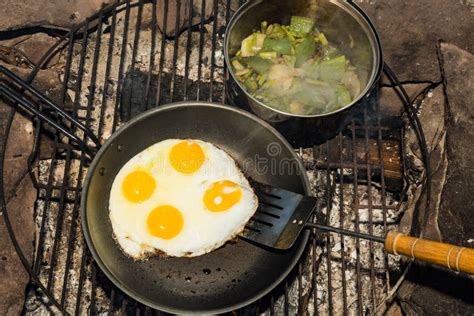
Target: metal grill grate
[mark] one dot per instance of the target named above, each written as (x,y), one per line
(117,64)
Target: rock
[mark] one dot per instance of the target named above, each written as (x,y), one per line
(14,56)
(171,12)
(20,195)
(392,106)
(12,273)
(19,192)
(33,47)
(435,132)
(234,5)
(456,219)
(432,117)
(49,13)
(208,10)
(171,24)
(394,310)
(430,290)
(47,81)
(19,146)
(390,103)
(409,31)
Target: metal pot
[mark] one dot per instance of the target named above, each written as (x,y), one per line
(344,23)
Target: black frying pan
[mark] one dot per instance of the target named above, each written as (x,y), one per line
(225,279)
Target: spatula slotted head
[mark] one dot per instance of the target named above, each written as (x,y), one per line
(280,217)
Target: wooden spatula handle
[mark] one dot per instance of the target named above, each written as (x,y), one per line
(456,258)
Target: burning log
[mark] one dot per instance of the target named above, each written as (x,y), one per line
(374,158)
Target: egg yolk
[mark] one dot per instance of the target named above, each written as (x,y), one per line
(138,186)
(222,195)
(165,222)
(186,157)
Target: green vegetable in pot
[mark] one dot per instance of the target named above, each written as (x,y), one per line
(246,48)
(342,95)
(268,55)
(237,65)
(304,51)
(252,44)
(295,69)
(332,69)
(263,26)
(251,84)
(279,45)
(258,64)
(301,26)
(322,38)
(275,31)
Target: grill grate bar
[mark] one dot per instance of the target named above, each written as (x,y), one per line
(188,50)
(123,53)
(107,74)
(382,184)
(61,208)
(300,288)
(344,165)
(162,54)
(49,190)
(70,249)
(136,39)
(75,215)
(376,207)
(357,227)
(315,271)
(82,277)
(201,49)
(213,51)
(341,225)
(82,163)
(328,236)
(41,237)
(175,51)
(93,287)
(371,223)
(154,27)
(112,299)
(226,74)
(45,187)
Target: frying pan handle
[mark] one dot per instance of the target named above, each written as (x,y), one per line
(16,97)
(460,259)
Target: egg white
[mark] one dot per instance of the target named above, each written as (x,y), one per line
(203,230)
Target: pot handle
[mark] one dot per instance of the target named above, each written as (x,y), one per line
(460,259)
(25,103)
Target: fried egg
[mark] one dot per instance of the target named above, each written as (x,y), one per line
(179,198)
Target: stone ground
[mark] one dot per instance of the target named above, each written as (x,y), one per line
(430,46)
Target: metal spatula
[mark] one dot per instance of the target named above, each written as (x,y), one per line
(283,214)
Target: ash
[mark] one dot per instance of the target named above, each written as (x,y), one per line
(64,264)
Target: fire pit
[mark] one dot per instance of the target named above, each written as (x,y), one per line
(117,64)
